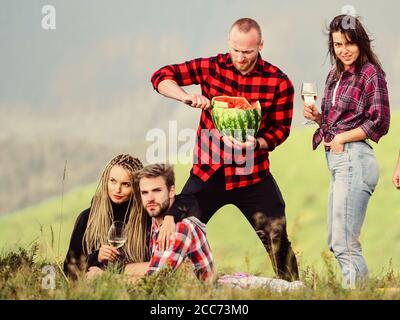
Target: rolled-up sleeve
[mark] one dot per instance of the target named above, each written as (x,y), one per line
(278,119)
(377,108)
(184,74)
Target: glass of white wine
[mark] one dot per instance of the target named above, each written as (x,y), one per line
(309,96)
(116,234)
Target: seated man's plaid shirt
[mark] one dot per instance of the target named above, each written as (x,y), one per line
(190,242)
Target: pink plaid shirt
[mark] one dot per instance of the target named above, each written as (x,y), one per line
(362,103)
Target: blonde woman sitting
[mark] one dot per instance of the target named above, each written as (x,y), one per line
(116,199)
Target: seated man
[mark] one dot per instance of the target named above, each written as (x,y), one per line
(157,190)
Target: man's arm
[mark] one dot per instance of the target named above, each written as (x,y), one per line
(169,80)
(185,205)
(137,269)
(174,255)
(277,121)
(170,89)
(278,118)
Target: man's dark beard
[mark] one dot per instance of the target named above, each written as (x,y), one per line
(163,208)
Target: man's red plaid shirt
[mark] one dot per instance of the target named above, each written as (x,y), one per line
(217,76)
(190,242)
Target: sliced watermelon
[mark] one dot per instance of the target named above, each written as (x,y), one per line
(235,116)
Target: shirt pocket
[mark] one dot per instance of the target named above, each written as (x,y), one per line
(349,100)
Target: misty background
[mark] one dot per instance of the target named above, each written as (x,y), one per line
(77,95)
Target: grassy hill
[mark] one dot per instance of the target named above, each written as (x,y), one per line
(303,178)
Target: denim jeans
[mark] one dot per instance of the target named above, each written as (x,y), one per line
(354,174)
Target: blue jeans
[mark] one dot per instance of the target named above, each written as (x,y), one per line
(355,174)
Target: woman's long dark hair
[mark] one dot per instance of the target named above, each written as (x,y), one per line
(355,32)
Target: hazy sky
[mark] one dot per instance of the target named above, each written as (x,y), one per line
(99,59)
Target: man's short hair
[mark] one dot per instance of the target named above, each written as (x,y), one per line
(246,24)
(158,170)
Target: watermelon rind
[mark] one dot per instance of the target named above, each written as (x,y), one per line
(237,123)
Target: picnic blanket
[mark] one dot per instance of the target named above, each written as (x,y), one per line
(242,280)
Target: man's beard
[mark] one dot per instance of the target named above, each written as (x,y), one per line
(247,67)
(163,209)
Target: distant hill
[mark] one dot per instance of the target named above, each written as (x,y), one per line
(303,178)
(33,167)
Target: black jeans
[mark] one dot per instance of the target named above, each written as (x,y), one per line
(263,206)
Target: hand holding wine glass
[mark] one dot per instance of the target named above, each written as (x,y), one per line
(116,238)
(116,234)
(309,96)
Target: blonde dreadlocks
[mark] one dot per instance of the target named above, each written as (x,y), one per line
(101,216)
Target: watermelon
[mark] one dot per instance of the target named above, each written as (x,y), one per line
(235,116)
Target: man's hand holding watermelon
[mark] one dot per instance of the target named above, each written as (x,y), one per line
(251,142)
(238,122)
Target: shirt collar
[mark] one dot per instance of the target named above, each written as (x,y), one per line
(258,67)
(347,73)
(154,226)
(351,70)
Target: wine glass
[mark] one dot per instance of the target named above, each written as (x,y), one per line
(309,96)
(116,234)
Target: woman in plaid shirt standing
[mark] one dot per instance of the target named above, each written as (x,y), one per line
(355,107)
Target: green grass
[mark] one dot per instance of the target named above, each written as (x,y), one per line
(303,178)
(22,277)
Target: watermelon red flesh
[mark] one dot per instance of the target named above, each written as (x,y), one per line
(236,102)
(234,116)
